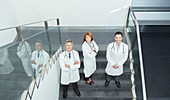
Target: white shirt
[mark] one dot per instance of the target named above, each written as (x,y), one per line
(89,57)
(71,74)
(42,59)
(116,55)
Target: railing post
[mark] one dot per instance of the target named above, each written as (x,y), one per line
(58,23)
(48,37)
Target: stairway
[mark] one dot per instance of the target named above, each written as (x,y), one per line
(98,91)
(155,46)
(12,85)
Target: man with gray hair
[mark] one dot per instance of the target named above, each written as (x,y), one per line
(70,63)
(39,57)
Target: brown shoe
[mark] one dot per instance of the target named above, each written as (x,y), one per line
(88,82)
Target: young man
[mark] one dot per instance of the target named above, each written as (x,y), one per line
(117,54)
(39,57)
(70,63)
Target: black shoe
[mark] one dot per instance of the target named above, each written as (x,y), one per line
(107,83)
(64,95)
(118,84)
(77,92)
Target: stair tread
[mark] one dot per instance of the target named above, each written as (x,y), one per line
(102,93)
(10,94)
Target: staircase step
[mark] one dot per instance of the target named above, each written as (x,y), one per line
(88,98)
(107,93)
(101,69)
(100,84)
(14,84)
(98,91)
(15,76)
(124,77)
(10,94)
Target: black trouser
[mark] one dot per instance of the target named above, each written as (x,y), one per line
(108,78)
(87,78)
(65,87)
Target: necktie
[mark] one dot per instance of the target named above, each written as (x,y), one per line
(69,55)
(38,54)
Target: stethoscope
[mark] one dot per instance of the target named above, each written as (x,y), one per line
(113,47)
(92,46)
(65,56)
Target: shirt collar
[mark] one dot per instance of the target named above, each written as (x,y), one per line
(117,45)
(40,51)
(68,52)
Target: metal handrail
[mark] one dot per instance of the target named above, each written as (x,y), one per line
(140,53)
(26,24)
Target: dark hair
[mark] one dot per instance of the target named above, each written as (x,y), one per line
(118,33)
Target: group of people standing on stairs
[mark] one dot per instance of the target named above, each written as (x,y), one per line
(116,55)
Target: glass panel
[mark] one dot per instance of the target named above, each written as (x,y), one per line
(36,36)
(137,71)
(52,23)
(54,39)
(15,73)
(40,51)
(131,29)
(33,29)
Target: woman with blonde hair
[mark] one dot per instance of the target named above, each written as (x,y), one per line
(90,50)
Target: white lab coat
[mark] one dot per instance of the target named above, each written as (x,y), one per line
(115,56)
(6,67)
(69,75)
(22,54)
(89,58)
(43,59)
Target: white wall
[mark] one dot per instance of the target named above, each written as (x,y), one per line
(19,12)
(70,12)
(92,12)
(50,86)
(8,18)
(35,10)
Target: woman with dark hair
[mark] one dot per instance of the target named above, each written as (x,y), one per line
(90,50)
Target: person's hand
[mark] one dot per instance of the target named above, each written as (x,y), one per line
(1,65)
(41,65)
(94,49)
(76,63)
(67,66)
(115,66)
(33,62)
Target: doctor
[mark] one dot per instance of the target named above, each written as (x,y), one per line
(90,50)
(5,64)
(117,54)
(70,63)
(22,54)
(39,57)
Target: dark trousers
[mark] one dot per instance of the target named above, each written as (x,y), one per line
(87,78)
(65,87)
(108,78)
